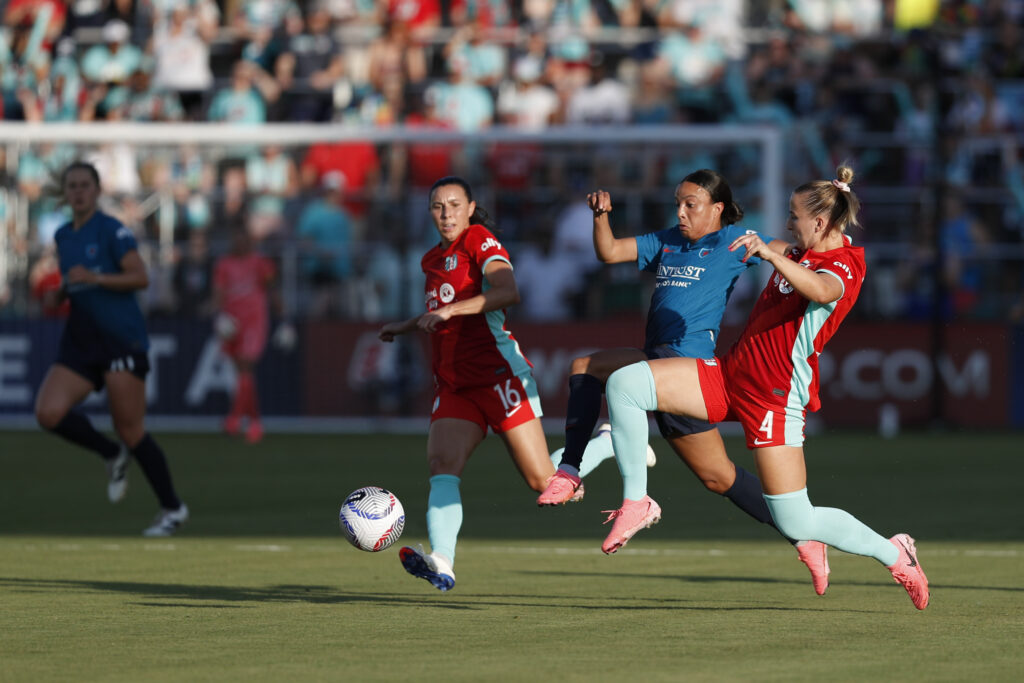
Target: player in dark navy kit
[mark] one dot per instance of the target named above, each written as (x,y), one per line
(695,274)
(767,382)
(104,343)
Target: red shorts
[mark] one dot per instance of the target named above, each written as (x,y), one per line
(764,424)
(501,407)
(248,342)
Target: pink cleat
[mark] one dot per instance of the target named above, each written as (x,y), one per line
(254,432)
(815,555)
(633,516)
(907,571)
(562,488)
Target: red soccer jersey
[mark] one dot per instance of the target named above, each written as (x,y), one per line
(469,350)
(243,281)
(776,357)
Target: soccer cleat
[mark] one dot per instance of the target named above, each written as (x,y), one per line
(633,516)
(434,568)
(233,425)
(606,429)
(562,488)
(167,522)
(907,570)
(815,555)
(254,432)
(117,475)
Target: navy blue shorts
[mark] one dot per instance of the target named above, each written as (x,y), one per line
(93,364)
(675,425)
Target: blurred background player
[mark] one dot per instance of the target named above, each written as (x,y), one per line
(767,381)
(481,377)
(242,279)
(104,344)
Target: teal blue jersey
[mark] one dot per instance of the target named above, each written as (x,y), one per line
(694,281)
(100,318)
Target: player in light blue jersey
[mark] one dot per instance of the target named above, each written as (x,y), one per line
(695,274)
(104,343)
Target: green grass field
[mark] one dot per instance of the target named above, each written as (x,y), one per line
(260,586)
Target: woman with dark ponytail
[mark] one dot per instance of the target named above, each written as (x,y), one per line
(481,377)
(695,274)
(767,382)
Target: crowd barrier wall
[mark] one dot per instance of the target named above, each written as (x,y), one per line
(870,371)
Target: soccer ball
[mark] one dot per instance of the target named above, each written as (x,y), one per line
(372,518)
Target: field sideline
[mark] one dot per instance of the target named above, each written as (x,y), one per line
(261,587)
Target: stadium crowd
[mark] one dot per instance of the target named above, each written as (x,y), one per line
(921,107)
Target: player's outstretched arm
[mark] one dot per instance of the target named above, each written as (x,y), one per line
(391,330)
(608,248)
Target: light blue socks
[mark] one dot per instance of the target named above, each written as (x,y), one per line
(598,450)
(630,393)
(797,518)
(444,514)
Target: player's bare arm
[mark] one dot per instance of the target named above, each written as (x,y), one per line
(821,288)
(132,276)
(503,292)
(608,248)
(391,330)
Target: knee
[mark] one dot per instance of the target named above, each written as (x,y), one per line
(580,366)
(793,515)
(130,434)
(49,417)
(715,485)
(632,385)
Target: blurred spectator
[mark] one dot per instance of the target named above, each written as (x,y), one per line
(356,163)
(325,239)
(652,99)
(467,106)
(605,101)
(967,247)
(245,101)
(271,178)
(697,65)
(394,55)
(525,102)
(118,165)
(427,161)
(485,62)
(193,278)
(115,59)
(488,14)
(423,17)
(720,20)
(43,19)
(309,67)
(977,110)
(181,50)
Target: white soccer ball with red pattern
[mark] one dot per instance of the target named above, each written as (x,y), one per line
(372,518)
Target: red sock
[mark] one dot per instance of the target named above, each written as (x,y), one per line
(239,404)
(247,388)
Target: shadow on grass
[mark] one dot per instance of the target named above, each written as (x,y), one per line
(719,578)
(324,595)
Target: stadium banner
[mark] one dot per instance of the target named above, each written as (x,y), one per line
(188,376)
(871,372)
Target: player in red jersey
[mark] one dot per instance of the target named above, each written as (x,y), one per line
(481,377)
(767,381)
(242,279)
